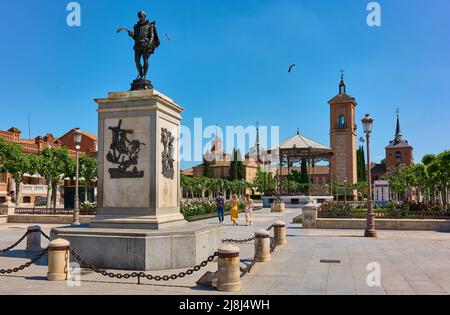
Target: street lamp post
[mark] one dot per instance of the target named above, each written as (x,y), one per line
(77,136)
(370,232)
(345,190)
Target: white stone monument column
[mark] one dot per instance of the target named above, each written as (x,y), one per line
(138,225)
(145,194)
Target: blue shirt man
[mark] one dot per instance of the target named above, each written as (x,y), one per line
(220,206)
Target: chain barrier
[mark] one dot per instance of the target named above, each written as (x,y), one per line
(24,266)
(232,241)
(273,245)
(45,235)
(248,240)
(15,244)
(249,267)
(140,275)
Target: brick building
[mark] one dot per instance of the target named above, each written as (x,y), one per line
(220,162)
(34,187)
(88,146)
(399,153)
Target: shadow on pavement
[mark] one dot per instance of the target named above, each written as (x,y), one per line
(22,254)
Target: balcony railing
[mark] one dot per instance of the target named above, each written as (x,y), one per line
(46,211)
(34,189)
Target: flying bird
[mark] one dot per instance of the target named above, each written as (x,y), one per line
(292,68)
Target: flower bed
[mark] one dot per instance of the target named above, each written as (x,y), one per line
(392,211)
(200,208)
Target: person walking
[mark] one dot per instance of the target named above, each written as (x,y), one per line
(248,210)
(235,210)
(220,206)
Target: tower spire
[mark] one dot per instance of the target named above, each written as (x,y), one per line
(342,87)
(257,143)
(398,131)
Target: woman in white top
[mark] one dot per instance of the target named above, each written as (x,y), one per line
(248,210)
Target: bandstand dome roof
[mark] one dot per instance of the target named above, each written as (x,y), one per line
(300,142)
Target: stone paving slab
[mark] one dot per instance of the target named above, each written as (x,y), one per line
(412,262)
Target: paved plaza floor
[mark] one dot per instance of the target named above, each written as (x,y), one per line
(411,262)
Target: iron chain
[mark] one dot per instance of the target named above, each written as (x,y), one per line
(232,241)
(140,275)
(24,266)
(273,245)
(248,240)
(15,244)
(249,267)
(45,235)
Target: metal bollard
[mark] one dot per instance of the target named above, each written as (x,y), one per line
(229,277)
(279,228)
(34,239)
(58,260)
(262,246)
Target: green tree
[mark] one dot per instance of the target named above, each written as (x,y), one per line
(19,164)
(439,172)
(361,164)
(55,165)
(304,179)
(236,166)
(88,173)
(207,170)
(264,181)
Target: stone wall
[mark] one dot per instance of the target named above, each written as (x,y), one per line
(47,219)
(385,224)
(3,219)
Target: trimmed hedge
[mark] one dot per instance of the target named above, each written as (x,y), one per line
(198,208)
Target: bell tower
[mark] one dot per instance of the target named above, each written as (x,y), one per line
(399,153)
(343,136)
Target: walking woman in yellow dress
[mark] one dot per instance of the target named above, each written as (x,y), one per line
(234,210)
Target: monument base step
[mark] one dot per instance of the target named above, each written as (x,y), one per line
(138,222)
(142,250)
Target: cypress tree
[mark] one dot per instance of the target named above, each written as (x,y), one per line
(304,173)
(236,166)
(361,164)
(207,171)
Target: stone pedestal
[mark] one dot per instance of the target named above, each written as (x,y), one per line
(278,207)
(262,246)
(279,229)
(58,260)
(229,279)
(7,208)
(310,215)
(34,239)
(142,250)
(138,225)
(146,195)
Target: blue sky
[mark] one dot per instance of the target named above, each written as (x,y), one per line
(227,63)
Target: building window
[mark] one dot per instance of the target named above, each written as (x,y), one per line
(398,155)
(341,121)
(2,178)
(26,199)
(2,200)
